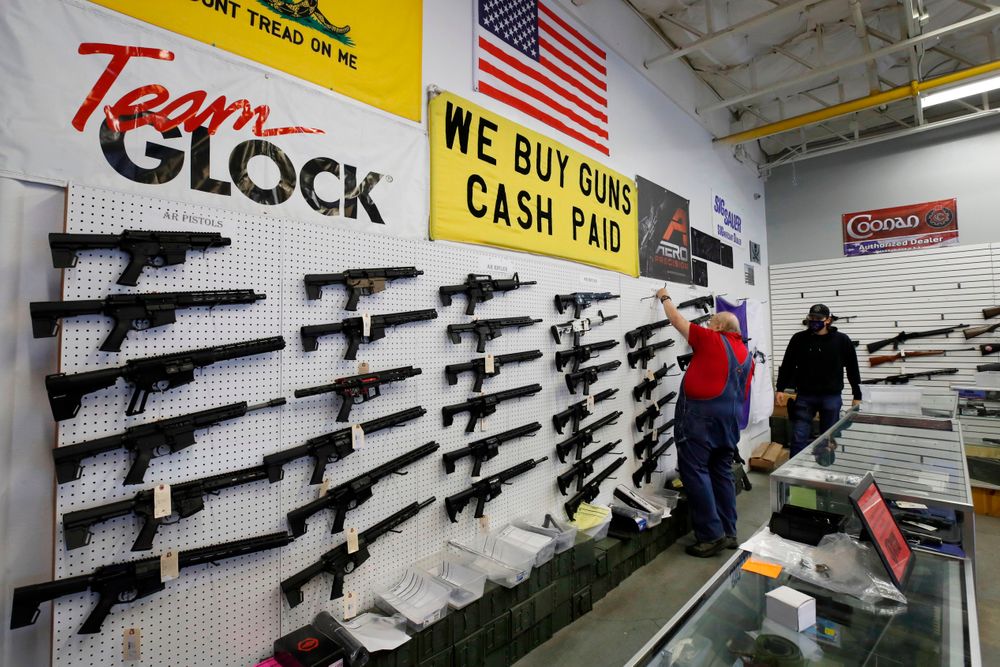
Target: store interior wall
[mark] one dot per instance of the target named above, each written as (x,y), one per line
(805,200)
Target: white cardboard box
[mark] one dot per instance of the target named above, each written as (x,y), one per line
(791,608)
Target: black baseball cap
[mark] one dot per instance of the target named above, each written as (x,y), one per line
(819,310)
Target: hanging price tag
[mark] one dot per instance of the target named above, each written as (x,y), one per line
(161,501)
(490,366)
(649,374)
(590,403)
(324,487)
(484,524)
(363,368)
(130,645)
(351,535)
(350,605)
(366,325)
(357,436)
(169,565)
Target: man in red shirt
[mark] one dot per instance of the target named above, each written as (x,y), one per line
(706,424)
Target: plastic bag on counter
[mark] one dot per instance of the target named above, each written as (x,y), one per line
(840,564)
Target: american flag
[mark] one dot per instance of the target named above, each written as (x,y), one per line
(531,58)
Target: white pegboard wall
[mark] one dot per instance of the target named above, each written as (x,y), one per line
(231,614)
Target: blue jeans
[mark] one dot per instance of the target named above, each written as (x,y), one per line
(806,406)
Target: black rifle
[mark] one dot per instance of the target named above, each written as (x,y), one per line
(186,499)
(333,446)
(585,436)
(645,388)
(989,348)
(983,368)
(579,411)
(650,440)
(590,490)
(706,303)
(478,367)
(842,318)
(359,282)
(641,335)
(702,319)
(994,441)
(581,300)
(975,332)
(354,329)
(487,448)
(684,360)
(648,467)
(486,489)
(646,353)
(339,561)
(147,441)
(153,249)
(126,582)
(478,288)
(588,376)
(484,405)
(359,388)
(354,493)
(578,327)
(904,378)
(903,336)
(652,412)
(485,330)
(132,312)
(583,468)
(147,375)
(582,353)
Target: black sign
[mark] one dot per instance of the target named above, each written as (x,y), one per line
(664,233)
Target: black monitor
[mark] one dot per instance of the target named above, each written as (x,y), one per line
(881,527)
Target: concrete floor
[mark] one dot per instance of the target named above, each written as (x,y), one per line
(629,615)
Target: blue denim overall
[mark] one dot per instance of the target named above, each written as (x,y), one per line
(706,433)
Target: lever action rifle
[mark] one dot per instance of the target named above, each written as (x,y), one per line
(359,282)
(974,332)
(647,353)
(487,448)
(355,492)
(581,300)
(652,412)
(340,562)
(485,330)
(590,490)
(588,376)
(485,405)
(126,582)
(486,489)
(579,327)
(147,375)
(145,248)
(582,353)
(903,336)
(642,334)
(580,410)
(359,388)
(479,288)
(354,329)
(147,441)
(186,499)
(648,467)
(479,367)
(645,388)
(585,436)
(904,378)
(583,468)
(650,440)
(333,446)
(132,312)
(904,355)
(706,303)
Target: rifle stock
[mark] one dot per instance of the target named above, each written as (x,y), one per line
(991,312)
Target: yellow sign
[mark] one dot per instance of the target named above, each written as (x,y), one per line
(366,50)
(497,183)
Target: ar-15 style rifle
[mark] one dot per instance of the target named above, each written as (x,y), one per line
(578,327)
(147,375)
(359,282)
(354,329)
(581,300)
(902,356)
(485,330)
(579,411)
(642,334)
(684,360)
(588,376)
(652,412)
(486,489)
(590,490)
(479,367)
(706,303)
(145,248)
(647,353)
(487,448)
(650,440)
(585,436)
(582,353)
(359,388)
(132,312)
(583,468)
(485,405)
(904,378)
(903,336)
(479,288)
(648,466)
(645,388)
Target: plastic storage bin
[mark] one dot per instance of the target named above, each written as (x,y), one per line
(600,531)
(418,597)
(453,569)
(502,562)
(562,532)
(543,546)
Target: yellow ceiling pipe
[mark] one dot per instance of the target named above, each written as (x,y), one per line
(878,99)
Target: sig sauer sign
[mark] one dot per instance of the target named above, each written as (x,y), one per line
(909,227)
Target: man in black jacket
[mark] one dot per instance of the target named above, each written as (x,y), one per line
(813,366)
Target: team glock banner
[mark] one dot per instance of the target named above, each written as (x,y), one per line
(497,183)
(910,227)
(665,233)
(366,50)
(106,101)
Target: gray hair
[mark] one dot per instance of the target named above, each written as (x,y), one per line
(728,322)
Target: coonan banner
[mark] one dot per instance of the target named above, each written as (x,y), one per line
(367,50)
(497,183)
(933,223)
(105,101)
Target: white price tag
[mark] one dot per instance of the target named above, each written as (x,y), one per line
(350,605)
(649,374)
(484,524)
(131,651)
(161,501)
(490,365)
(169,565)
(351,535)
(366,325)
(363,368)
(590,403)
(357,436)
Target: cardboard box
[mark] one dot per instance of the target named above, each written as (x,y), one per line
(768,456)
(791,608)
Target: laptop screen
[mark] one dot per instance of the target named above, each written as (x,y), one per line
(892,547)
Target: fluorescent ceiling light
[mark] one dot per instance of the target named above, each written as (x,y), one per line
(976,87)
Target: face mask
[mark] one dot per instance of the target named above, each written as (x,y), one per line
(816,326)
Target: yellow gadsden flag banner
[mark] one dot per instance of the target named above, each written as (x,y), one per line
(497,183)
(366,50)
